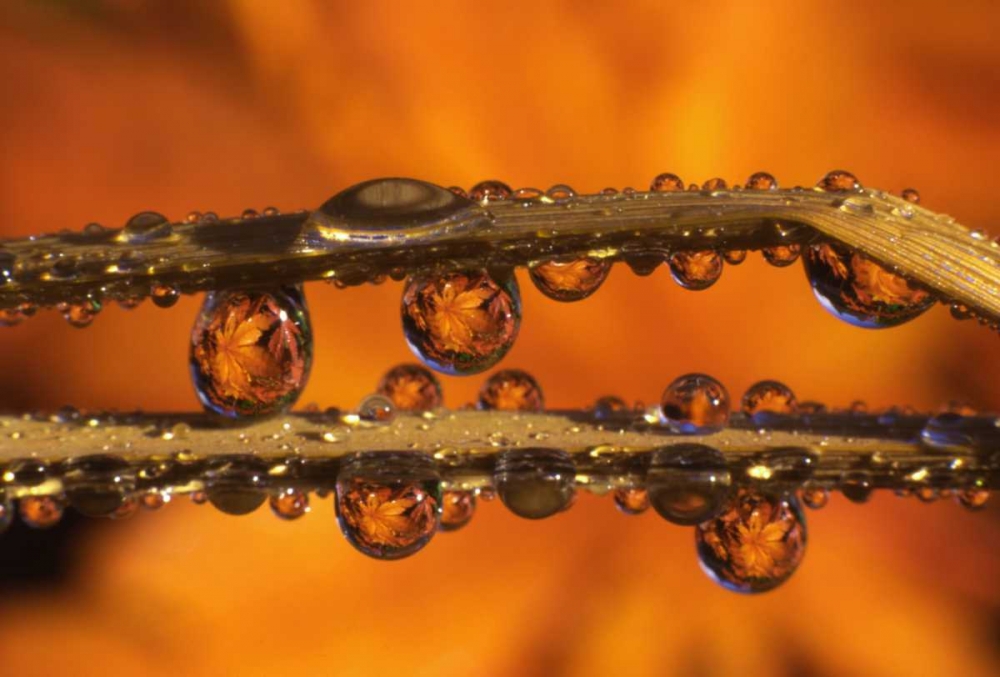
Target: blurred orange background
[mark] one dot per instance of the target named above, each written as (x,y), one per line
(117,106)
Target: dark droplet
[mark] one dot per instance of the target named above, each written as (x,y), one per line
(535,483)
(688,483)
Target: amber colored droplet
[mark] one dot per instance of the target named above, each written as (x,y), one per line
(251,351)
(82,314)
(631,500)
(457,509)
(815,497)
(41,512)
(485,191)
(609,406)
(411,387)
(199,497)
(271,211)
(164,296)
(570,280)
(861,292)
(192,217)
(762,181)
(128,507)
(769,397)
(961,312)
(839,181)
(696,270)
(911,195)
(782,255)
(755,544)
(560,192)
(152,500)
(735,257)
(511,390)
(461,323)
(289,504)
(714,184)
(927,494)
(974,498)
(695,404)
(666,183)
(609,191)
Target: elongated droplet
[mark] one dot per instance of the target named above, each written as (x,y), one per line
(535,483)
(486,191)
(769,398)
(911,195)
(164,296)
(289,504)
(782,255)
(251,351)
(98,485)
(666,183)
(688,483)
(461,323)
(145,227)
(631,500)
(411,387)
(511,390)
(388,505)
(570,280)
(695,404)
(839,181)
(755,545)
(457,509)
(41,512)
(696,270)
(861,292)
(973,498)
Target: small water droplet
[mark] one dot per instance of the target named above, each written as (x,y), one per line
(535,483)
(271,212)
(762,181)
(570,280)
(164,295)
(41,512)
(696,270)
(911,195)
(486,191)
(695,404)
(856,486)
(839,181)
(511,390)
(631,500)
(815,497)
(666,183)
(457,509)
(192,217)
(289,504)
(82,314)
(146,227)
(782,255)
(248,214)
(461,323)
(714,184)
(735,257)
(609,406)
(974,498)
(376,409)
(98,485)
(765,399)
(459,191)
(209,217)
(411,387)
(10,317)
(560,192)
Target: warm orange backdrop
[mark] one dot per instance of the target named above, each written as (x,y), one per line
(115,106)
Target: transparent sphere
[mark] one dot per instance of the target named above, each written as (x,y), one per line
(457,509)
(631,500)
(688,483)
(839,181)
(696,270)
(289,504)
(782,255)
(570,280)
(411,387)
(376,409)
(511,390)
(666,183)
(766,398)
(535,483)
(695,404)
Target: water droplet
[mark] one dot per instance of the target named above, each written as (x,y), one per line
(632,500)
(485,191)
(236,485)
(98,485)
(961,312)
(528,194)
(688,483)
(535,483)
(82,314)
(376,409)
(666,183)
(130,303)
(769,398)
(251,351)
(164,295)
(839,181)
(856,486)
(859,291)
(511,390)
(926,494)
(128,507)
(461,323)
(249,214)
(145,227)
(209,217)
(735,257)
(457,509)
(782,255)
(41,512)
(289,504)
(755,545)
(973,498)
(609,406)
(695,404)
(946,432)
(570,280)
(560,192)
(192,217)
(714,184)
(911,195)
(388,505)
(815,497)
(152,500)
(696,270)
(643,264)
(762,181)
(411,387)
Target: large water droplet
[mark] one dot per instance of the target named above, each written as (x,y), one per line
(688,483)
(457,509)
(164,296)
(461,323)
(714,184)
(695,404)
(145,227)
(511,390)
(570,280)
(859,291)
(947,432)
(535,483)
(755,545)
(251,351)
(388,505)
(82,314)
(696,270)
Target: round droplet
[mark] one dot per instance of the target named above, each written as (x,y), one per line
(570,280)
(815,497)
(82,314)
(535,483)
(695,404)
(251,351)
(289,504)
(164,296)
(376,409)
(130,303)
(631,500)
(688,483)
(714,184)
(41,512)
(839,181)
(237,485)
(609,406)
(973,498)
(769,398)
(666,183)
(511,390)
(152,500)
(560,192)
(755,544)
(411,387)
(388,505)
(696,270)
(457,509)
(911,195)
(485,191)
(782,255)
(856,487)
(735,257)
(762,181)
(927,494)
(861,292)
(249,214)
(643,264)
(192,217)
(461,323)
(146,227)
